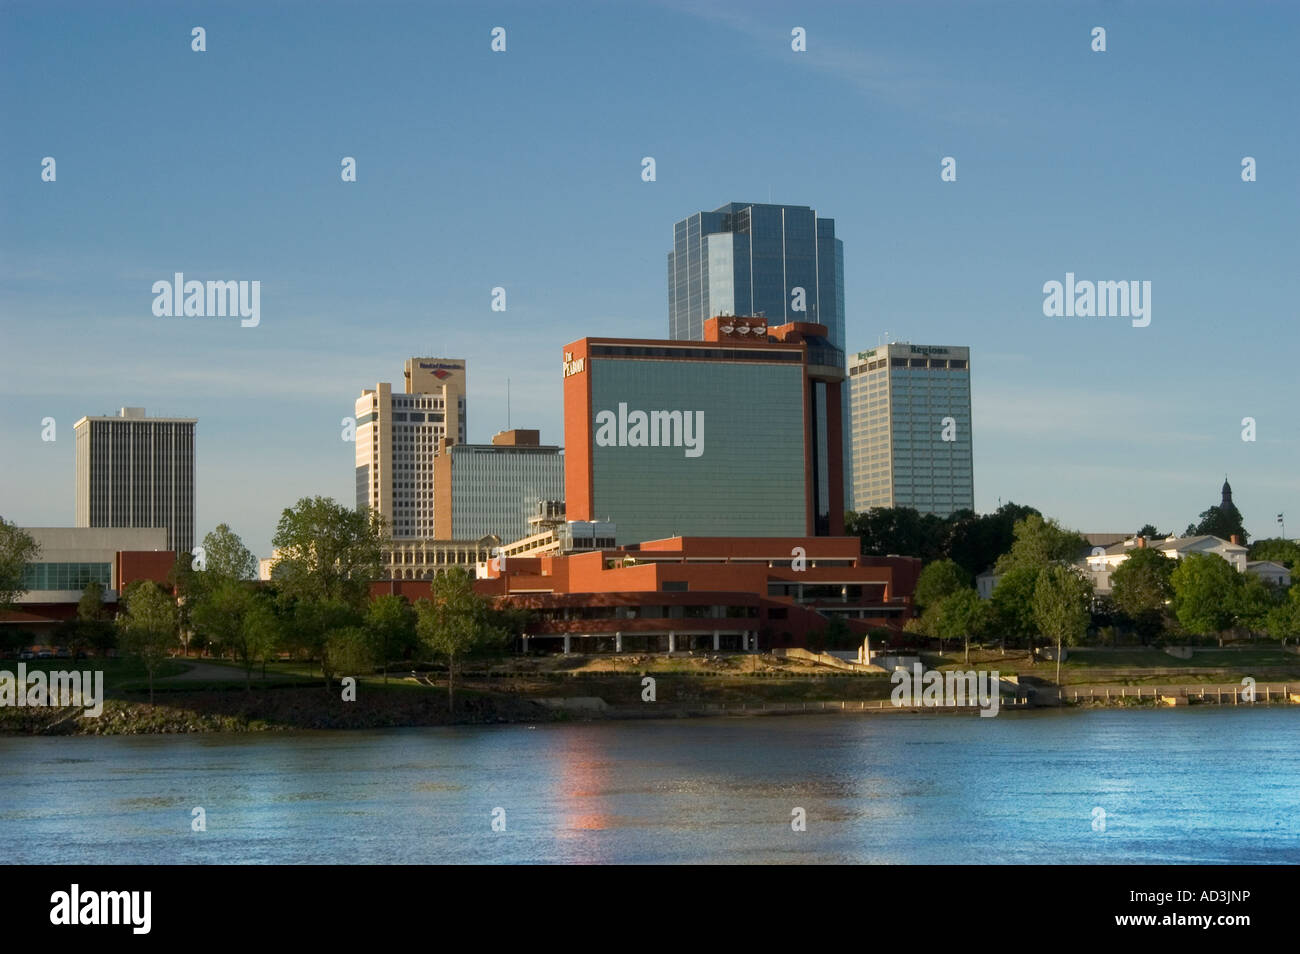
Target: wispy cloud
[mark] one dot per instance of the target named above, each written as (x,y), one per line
(888,79)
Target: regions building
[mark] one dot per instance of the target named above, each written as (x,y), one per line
(135,471)
(779,262)
(397,440)
(494,489)
(911,428)
(737,434)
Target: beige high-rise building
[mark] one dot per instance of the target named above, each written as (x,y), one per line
(398,436)
(137,471)
(911,429)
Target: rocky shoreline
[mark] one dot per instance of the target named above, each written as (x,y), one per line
(311,709)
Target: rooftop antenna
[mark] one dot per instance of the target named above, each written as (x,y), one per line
(507,404)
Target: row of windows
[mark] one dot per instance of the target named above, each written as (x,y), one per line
(650,612)
(729,354)
(65,576)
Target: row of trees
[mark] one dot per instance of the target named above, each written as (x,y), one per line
(1202,595)
(972,541)
(976,541)
(1041,593)
(317,605)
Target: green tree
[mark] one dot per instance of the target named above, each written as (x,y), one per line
(390,625)
(189,585)
(960,615)
(1286,552)
(263,629)
(148,628)
(899,530)
(1061,601)
(1220,522)
(1040,542)
(226,557)
(937,581)
(350,651)
(1254,600)
(455,622)
(1283,620)
(328,552)
(1150,532)
(240,621)
(1140,588)
(975,542)
(1205,593)
(17,549)
(315,621)
(218,615)
(91,605)
(1013,603)
(90,617)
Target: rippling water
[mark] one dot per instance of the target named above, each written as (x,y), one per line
(1199,785)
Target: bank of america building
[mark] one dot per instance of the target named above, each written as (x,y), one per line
(911,428)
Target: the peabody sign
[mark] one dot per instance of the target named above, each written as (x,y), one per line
(573,367)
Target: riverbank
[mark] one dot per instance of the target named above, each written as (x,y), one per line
(295,709)
(199,696)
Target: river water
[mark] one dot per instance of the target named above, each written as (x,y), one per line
(1199,785)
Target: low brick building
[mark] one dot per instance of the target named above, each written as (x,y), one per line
(697,593)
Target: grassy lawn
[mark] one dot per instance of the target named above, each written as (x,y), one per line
(119,674)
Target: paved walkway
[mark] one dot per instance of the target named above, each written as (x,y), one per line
(201,671)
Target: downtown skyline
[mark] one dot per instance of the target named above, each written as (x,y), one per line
(528,178)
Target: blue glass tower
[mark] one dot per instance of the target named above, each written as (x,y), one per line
(751,259)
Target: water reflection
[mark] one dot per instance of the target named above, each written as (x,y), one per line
(1197,786)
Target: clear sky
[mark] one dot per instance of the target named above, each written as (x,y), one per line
(522,169)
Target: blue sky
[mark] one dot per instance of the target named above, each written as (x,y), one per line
(522,169)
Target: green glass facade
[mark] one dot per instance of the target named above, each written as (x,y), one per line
(748,479)
(66,576)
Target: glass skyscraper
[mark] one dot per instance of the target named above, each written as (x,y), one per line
(749,259)
(780,262)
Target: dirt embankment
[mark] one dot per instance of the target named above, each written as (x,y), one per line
(282,709)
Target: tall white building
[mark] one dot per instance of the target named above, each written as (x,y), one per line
(397,439)
(911,428)
(137,471)
(493,489)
